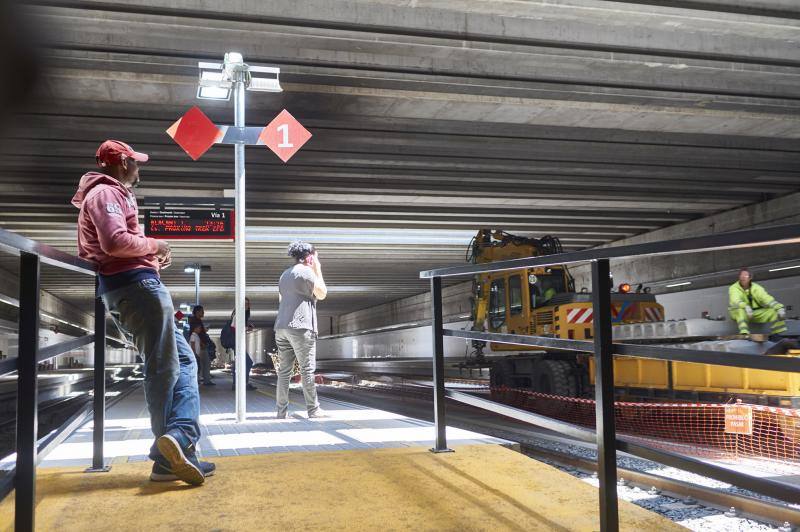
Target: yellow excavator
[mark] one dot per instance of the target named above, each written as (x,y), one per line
(544,302)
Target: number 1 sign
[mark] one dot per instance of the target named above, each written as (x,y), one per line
(284,135)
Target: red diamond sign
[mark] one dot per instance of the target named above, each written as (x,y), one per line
(195,133)
(284,135)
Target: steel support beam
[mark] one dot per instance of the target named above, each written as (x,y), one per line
(604,396)
(27,393)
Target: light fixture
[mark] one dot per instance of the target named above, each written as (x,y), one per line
(191,268)
(213,93)
(216,79)
(679,284)
(785,268)
(268,83)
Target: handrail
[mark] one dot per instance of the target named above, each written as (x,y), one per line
(659,352)
(31,256)
(16,244)
(603,350)
(771,236)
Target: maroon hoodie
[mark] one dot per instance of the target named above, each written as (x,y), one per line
(109,234)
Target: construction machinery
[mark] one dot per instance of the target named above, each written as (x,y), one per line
(543,301)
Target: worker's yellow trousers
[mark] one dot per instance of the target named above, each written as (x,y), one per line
(760,315)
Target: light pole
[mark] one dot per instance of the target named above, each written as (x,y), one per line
(217,82)
(196,269)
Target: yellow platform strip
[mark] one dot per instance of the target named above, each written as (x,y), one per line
(479,487)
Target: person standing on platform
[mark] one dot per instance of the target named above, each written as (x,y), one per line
(249,359)
(203,353)
(299,287)
(750,302)
(109,235)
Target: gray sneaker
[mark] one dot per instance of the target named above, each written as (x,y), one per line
(318,414)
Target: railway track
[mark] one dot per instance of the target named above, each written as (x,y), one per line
(691,495)
(696,506)
(53,413)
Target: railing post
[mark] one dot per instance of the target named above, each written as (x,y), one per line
(27,393)
(437,329)
(99,404)
(604,396)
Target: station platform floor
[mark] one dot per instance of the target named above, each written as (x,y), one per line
(359,469)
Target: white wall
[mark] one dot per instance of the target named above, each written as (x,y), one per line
(692,303)
(414,342)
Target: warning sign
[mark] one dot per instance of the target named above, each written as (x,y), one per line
(738,419)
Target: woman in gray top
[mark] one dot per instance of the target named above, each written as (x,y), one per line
(300,287)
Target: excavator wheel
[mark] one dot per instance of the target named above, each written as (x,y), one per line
(497,375)
(555,377)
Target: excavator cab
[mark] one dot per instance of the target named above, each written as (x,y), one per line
(540,302)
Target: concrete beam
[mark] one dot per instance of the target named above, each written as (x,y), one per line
(318,100)
(779,211)
(610,26)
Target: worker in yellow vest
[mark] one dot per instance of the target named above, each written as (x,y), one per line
(749,302)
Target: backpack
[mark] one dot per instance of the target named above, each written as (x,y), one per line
(227,337)
(211,347)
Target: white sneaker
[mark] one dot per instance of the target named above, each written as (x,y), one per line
(318,413)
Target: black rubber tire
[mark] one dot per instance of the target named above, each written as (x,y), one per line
(555,377)
(497,375)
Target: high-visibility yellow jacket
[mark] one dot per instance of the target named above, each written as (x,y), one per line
(754,297)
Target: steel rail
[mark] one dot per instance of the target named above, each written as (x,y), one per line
(46,353)
(59,435)
(748,506)
(772,488)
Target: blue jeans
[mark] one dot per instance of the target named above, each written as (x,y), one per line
(144,311)
(247,367)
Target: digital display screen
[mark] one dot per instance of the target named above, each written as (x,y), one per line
(189,224)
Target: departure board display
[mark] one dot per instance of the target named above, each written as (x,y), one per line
(189,224)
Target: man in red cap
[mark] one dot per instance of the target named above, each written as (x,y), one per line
(110,236)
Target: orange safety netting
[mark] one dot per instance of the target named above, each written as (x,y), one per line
(689,428)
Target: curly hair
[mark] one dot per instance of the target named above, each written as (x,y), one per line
(300,250)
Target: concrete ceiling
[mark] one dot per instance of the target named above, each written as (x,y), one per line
(589,120)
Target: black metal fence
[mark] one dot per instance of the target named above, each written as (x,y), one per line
(604,350)
(29,452)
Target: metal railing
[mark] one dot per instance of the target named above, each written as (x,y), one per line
(23,477)
(603,351)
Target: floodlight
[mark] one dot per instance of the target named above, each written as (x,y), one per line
(213,83)
(213,78)
(268,83)
(233,58)
(213,93)
(265,85)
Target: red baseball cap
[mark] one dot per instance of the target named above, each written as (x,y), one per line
(112,152)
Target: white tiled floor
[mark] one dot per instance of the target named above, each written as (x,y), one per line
(350,426)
